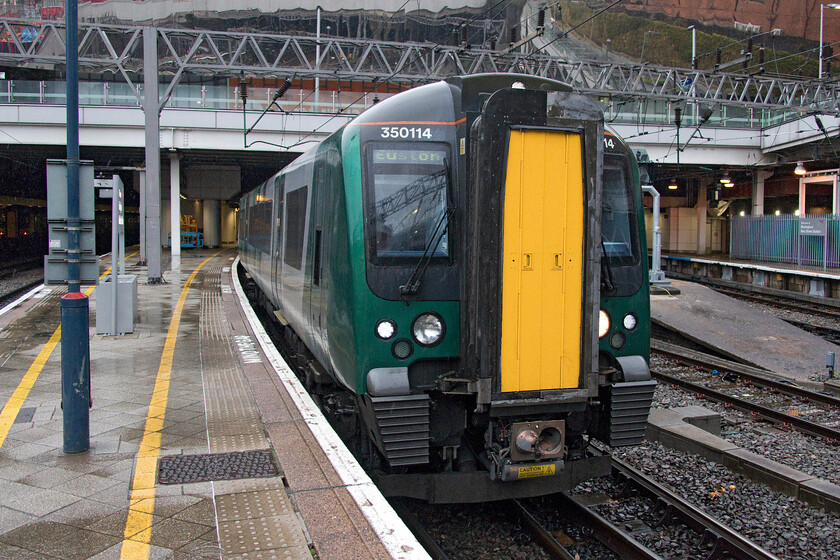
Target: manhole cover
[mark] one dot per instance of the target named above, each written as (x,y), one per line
(25,415)
(183,469)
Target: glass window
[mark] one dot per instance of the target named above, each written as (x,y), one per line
(407,199)
(618,215)
(295,227)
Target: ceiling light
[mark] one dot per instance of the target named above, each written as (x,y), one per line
(725,179)
(673,185)
(800,169)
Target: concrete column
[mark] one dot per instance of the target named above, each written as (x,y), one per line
(151,111)
(175,209)
(702,204)
(835,199)
(228,224)
(212,222)
(758,191)
(142,218)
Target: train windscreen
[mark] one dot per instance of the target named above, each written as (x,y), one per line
(407,200)
(619,225)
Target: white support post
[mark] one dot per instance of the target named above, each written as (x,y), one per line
(657,277)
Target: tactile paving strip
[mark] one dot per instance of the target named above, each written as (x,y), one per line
(184,469)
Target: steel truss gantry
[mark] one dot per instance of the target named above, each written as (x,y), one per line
(117,48)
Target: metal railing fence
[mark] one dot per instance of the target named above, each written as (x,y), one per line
(204,96)
(811,240)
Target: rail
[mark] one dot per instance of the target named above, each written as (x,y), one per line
(753,375)
(795,422)
(725,538)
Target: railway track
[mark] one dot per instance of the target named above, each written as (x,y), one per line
(736,373)
(7,296)
(781,301)
(827,333)
(623,539)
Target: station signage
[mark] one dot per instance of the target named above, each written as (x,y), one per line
(813,226)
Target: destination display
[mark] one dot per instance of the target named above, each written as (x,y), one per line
(391,156)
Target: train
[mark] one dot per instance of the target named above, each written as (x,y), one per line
(24,231)
(460,276)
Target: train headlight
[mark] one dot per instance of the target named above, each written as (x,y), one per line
(386,329)
(603,324)
(427,329)
(630,321)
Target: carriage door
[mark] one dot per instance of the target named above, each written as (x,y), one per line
(278,236)
(316,306)
(542,274)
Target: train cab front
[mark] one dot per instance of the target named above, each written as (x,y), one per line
(511,407)
(532,295)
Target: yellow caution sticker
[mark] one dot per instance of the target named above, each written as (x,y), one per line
(535,471)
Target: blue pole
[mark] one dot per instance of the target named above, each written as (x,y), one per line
(75,372)
(75,343)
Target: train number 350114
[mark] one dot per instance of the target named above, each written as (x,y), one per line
(406,132)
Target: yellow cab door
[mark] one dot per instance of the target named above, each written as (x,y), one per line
(542,278)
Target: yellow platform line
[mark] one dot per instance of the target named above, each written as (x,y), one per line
(15,402)
(137,536)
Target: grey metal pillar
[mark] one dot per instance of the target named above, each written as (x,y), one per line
(151,109)
(142,218)
(175,210)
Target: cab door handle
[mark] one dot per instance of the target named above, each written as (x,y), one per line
(527,261)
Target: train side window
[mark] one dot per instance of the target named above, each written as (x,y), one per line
(278,226)
(295,225)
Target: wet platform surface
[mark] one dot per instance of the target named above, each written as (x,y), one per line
(739,331)
(190,380)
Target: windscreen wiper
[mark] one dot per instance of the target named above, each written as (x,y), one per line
(607,282)
(412,285)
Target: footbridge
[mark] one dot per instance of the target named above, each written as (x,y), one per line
(641,102)
(217,92)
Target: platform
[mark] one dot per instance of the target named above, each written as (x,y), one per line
(192,380)
(735,329)
(766,277)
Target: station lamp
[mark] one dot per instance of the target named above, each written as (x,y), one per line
(673,185)
(725,180)
(800,169)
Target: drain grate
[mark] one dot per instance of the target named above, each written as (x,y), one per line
(183,469)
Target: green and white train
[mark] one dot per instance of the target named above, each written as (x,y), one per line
(460,274)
